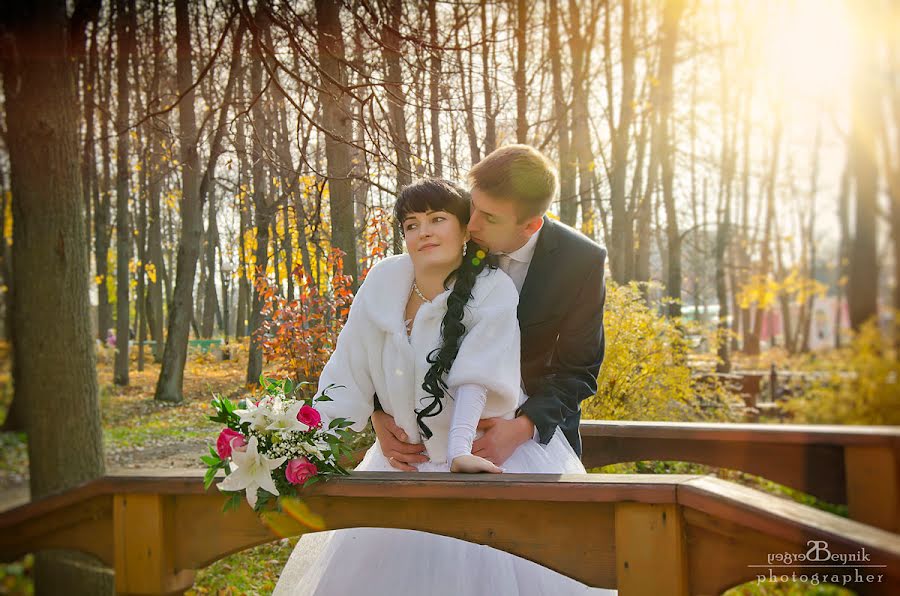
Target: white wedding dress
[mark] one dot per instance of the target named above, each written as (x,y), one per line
(372,352)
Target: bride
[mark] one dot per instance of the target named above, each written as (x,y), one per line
(434,334)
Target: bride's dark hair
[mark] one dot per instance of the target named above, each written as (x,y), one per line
(437,194)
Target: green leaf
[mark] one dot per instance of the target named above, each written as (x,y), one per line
(209,477)
(233,502)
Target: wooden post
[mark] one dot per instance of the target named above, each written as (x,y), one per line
(144,538)
(650,549)
(773,384)
(873,485)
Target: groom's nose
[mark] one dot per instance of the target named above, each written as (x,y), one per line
(474,222)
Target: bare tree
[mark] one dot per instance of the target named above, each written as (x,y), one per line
(50,266)
(171,375)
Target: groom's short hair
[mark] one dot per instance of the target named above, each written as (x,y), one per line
(519,173)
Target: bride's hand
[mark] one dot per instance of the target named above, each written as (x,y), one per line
(472,464)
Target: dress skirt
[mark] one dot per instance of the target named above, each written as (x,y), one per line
(382,562)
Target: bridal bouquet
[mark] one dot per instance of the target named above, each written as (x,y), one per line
(271,446)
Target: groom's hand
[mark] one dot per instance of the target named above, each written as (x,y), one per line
(502,437)
(393,443)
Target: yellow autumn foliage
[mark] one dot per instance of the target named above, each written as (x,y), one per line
(859,384)
(645,373)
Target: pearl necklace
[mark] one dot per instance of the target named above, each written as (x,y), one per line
(419,293)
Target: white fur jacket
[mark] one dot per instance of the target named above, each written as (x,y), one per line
(374,354)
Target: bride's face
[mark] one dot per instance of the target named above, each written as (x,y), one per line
(434,238)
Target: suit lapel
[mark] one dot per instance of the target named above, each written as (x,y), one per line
(531,307)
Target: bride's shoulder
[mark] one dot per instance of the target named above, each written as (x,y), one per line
(392,265)
(389,270)
(495,288)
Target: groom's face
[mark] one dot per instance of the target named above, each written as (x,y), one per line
(495,224)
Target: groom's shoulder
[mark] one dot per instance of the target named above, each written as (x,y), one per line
(575,244)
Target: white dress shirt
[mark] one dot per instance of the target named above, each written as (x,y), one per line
(515,265)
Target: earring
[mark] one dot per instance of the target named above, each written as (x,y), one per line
(465,247)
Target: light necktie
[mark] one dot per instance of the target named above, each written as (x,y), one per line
(505,261)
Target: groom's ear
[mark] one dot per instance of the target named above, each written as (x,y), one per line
(532,225)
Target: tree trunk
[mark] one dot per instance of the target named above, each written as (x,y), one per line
(671,18)
(581,45)
(434,83)
(390,39)
(50,266)
(240,142)
(862,286)
(102,208)
(521,89)
(89,152)
(336,122)
(843,260)
(892,166)
(124,43)
(263,202)
(621,219)
(567,198)
(171,375)
(490,115)
(154,191)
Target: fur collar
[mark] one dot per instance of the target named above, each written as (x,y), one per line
(385,292)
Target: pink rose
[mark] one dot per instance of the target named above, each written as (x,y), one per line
(309,416)
(300,470)
(228,441)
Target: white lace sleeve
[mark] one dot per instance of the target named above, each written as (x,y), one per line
(467,409)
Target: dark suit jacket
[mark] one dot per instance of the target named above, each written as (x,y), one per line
(561,318)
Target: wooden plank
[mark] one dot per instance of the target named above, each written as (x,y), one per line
(814,469)
(873,486)
(723,554)
(206,533)
(781,517)
(650,537)
(539,531)
(144,540)
(81,525)
(751,433)
(639,487)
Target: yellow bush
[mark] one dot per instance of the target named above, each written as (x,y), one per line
(645,374)
(861,384)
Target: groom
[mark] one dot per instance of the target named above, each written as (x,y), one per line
(559,275)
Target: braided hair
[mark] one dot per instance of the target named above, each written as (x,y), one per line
(435,194)
(452,331)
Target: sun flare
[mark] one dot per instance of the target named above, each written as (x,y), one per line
(808,49)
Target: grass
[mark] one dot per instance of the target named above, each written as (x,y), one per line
(253,571)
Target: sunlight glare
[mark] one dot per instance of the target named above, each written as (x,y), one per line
(809,49)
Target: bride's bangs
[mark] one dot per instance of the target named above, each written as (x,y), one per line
(432,194)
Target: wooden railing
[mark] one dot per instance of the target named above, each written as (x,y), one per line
(854,465)
(644,534)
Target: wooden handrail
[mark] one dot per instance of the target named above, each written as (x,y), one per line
(659,534)
(856,465)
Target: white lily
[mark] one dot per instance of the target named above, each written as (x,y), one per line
(257,416)
(315,449)
(250,471)
(286,419)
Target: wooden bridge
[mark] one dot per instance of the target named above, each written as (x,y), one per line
(643,534)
